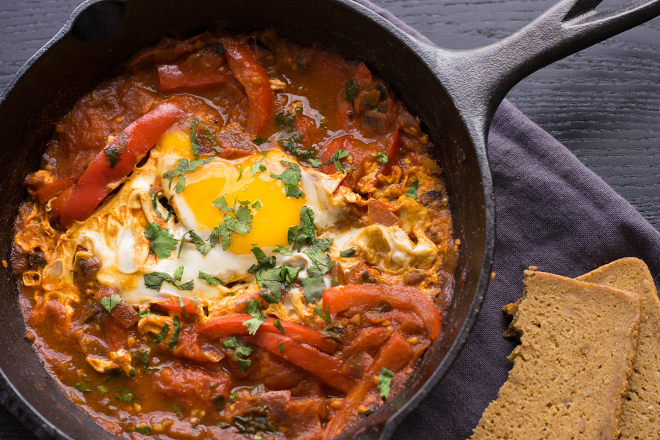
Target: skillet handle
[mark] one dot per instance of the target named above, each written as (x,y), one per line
(479,79)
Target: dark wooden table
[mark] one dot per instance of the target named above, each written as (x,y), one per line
(603,103)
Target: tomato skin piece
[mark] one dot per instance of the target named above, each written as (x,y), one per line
(100,178)
(254,79)
(171,304)
(324,367)
(233,325)
(393,150)
(340,298)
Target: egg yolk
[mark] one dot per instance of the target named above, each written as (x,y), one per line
(234,180)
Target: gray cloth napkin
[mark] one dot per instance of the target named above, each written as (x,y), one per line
(552,212)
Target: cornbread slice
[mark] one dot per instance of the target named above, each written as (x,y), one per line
(570,371)
(641,408)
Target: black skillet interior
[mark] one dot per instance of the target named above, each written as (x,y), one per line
(101,40)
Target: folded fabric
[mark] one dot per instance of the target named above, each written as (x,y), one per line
(552,212)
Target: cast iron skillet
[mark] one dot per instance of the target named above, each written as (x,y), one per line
(455,93)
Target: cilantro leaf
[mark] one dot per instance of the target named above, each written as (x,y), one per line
(257,168)
(412,190)
(230,342)
(258,140)
(222,205)
(193,136)
(336,158)
(175,333)
(183,166)
(290,177)
(313,287)
(321,262)
(315,163)
(160,337)
(347,252)
(252,309)
(210,279)
(287,121)
(225,235)
(154,204)
(325,315)
(303,233)
(281,348)
(145,430)
(110,302)
(282,250)
(290,145)
(244,214)
(178,273)
(203,247)
(81,387)
(384,382)
(257,204)
(161,242)
(278,325)
(235,225)
(188,285)
(154,280)
(351,89)
(381,157)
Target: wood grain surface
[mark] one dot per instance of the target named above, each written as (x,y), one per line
(602,103)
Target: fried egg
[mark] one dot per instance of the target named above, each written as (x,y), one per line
(115,233)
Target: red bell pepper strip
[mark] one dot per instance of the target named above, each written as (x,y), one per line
(393,355)
(54,189)
(173,304)
(233,325)
(325,367)
(112,164)
(393,150)
(337,299)
(254,79)
(172,78)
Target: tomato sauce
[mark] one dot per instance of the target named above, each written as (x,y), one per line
(203,376)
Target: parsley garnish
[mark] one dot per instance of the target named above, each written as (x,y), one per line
(175,333)
(336,158)
(270,277)
(384,382)
(253,324)
(183,166)
(161,242)
(290,177)
(110,302)
(210,279)
(304,232)
(412,190)
(347,252)
(381,157)
(325,315)
(351,89)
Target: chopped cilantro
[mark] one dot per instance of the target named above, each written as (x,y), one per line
(222,205)
(315,163)
(110,302)
(210,279)
(313,288)
(282,250)
(336,158)
(161,242)
(233,396)
(290,145)
(178,273)
(144,357)
(235,225)
(193,137)
(182,306)
(384,382)
(183,166)
(81,387)
(351,89)
(303,233)
(154,204)
(257,168)
(325,315)
(202,246)
(381,157)
(321,262)
(412,190)
(290,177)
(258,140)
(160,337)
(287,121)
(347,252)
(240,172)
(146,430)
(127,397)
(281,347)
(175,333)
(230,342)
(257,204)
(154,280)
(219,401)
(101,389)
(278,325)
(253,324)
(240,355)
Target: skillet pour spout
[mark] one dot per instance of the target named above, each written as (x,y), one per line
(455,94)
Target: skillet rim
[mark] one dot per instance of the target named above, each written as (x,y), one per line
(476,126)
